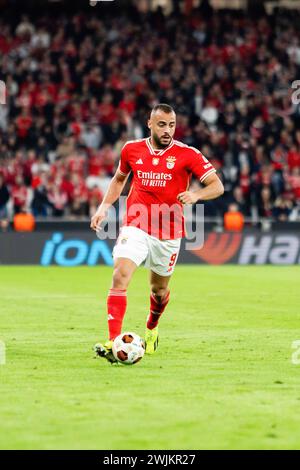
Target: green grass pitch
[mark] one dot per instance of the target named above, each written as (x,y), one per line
(222,377)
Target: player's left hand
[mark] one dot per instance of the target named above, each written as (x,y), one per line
(187,197)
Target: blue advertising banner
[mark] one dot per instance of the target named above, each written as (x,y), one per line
(76,248)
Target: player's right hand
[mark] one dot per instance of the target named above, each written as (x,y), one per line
(96,221)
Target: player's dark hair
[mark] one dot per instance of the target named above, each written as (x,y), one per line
(166,108)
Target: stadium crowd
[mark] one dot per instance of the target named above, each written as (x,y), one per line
(79,86)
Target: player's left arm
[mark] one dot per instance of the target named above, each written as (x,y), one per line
(213,188)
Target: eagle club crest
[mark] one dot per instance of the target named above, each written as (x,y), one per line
(155,160)
(170,162)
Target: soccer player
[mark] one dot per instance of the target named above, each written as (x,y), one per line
(153,226)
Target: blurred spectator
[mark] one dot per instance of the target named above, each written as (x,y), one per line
(79,196)
(294,157)
(239,199)
(58,199)
(91,136)
(25,28)
(24,123)
(66,147)
(40,202)
(294,180)
(28,164)
(40,39)
(76,163)
(282,209)
(95,198)
(265,202)
(20,194)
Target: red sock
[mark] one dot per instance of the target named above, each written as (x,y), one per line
(156,310)
(116,308)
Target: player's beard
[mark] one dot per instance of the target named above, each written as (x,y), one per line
(158,142)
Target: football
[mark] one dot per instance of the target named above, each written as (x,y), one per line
(128,348)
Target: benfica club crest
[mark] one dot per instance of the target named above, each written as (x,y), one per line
(155,161)
(170,162)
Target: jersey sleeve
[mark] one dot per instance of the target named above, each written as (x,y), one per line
(124,166)
(199,166)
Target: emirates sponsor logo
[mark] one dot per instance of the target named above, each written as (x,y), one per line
(150,178)
(153,175)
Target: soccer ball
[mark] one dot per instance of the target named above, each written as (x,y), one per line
(128,348)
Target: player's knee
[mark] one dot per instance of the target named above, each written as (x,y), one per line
(159,292)
(121,278)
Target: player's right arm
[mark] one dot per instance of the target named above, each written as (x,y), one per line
(114,190)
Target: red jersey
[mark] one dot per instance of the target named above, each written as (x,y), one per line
(19,195)
(158,177)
